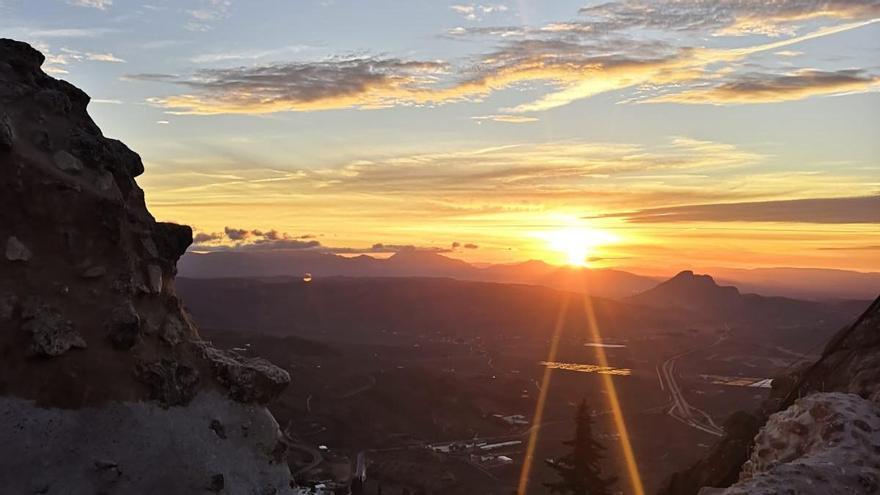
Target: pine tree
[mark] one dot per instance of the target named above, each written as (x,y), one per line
(580,470)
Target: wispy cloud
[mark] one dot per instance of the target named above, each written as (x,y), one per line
(567,68)
(767,88)
(476,12)
(95,4)
(861,209)
(508,119)
(725,18)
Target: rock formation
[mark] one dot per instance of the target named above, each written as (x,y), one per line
(105,385)
(821,431)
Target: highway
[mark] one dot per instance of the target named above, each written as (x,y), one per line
(680,409)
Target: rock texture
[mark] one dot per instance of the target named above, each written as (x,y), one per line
(820,433)
(105,384)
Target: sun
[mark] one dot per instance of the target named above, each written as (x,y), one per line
(577,243)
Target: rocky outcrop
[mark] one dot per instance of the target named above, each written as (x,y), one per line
(105,384)
(820,430)
(825,443)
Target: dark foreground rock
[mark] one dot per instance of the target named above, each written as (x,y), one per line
(819,434)
(105,384)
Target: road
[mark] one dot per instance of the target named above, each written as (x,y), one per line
(680,409)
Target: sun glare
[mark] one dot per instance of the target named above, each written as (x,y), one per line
(577,243)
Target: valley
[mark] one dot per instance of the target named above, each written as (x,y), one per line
(437,379)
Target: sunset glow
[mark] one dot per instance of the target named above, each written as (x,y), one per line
(577,243)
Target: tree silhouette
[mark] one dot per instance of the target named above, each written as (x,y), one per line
(580,470)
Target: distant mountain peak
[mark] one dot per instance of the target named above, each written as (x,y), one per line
(689,277)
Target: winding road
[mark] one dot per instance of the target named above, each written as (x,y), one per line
(680,409)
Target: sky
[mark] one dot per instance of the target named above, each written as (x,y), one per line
(653,135)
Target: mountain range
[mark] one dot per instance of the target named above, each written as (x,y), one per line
(804,283)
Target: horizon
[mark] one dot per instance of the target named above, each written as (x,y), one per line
(579,133)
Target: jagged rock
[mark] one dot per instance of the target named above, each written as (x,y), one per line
(170,382)
(248,379)
(92,247)
(51,334)
(172,240)
(67,162)
(123,327)
(16,251)
(175,331)
(826,443)
(7,135)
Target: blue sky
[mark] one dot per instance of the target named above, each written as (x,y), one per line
(426,123)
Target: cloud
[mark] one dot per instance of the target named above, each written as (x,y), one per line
(238,234)
(106,101)
(359,82)
(476,12)
(508,119)
(568,68)
(736,17)
(103,57)
(855,210)
(851,248)
(259,240)
(471,246)
(767,88)
(95,4)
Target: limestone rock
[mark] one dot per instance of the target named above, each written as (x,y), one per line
(51,334)
(248,379)
(826,443)
(16,251)
(123,327)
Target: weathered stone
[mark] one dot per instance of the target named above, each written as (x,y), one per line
(67,162)
(51,334)
(154,278)
(172,240)
(175,331)
(170,382)
(247,379)
(829,453)
(16,250)
(7,135)
(123,327)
